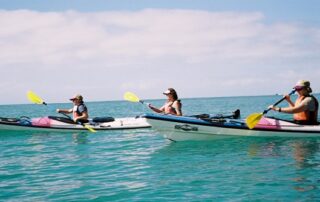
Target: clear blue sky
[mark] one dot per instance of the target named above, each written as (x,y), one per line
(203,48)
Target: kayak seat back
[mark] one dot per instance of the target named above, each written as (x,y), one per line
(102,119)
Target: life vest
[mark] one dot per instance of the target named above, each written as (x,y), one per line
(76,112)
(307,117)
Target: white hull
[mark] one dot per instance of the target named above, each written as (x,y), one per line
(57,126)
(181,129)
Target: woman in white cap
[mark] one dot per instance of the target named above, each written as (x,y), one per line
(172,105)
(305,108)
(79,110)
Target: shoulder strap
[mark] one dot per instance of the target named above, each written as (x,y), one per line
(314,115)
(316,101)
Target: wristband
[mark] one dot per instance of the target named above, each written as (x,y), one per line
(279,109)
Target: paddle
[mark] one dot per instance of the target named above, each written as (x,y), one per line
(84,125)
(131,97)
(253,119)
(37,100)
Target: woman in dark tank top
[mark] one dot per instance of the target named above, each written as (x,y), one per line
(172,106)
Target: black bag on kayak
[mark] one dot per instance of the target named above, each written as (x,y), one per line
(234,115)
(102,119)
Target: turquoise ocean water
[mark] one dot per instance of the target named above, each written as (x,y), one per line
(140,165)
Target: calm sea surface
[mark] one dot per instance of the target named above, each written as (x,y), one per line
(140,165)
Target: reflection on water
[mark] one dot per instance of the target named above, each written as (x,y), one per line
(264,149)
(251,162)
(302,152)
(139,165)
(303,184)
(80,138)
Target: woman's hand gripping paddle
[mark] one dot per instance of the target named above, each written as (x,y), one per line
(253,119)
(84,125)
(37,100)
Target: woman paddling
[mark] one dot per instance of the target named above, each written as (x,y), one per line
(172,105)
(79,110)
(305,108)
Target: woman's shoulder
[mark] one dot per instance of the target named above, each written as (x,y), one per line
(176,102)
(308,100)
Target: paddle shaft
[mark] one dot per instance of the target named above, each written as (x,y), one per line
(80,123)
(275,104)
(66,115)
(146,103)
(69,117)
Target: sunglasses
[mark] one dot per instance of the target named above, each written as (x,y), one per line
(298,88)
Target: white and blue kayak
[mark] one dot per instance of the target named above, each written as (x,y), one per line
(62,124)
(180,128)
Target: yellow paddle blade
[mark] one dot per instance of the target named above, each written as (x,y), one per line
(89,128)
(253,119)
(131,97)
(34,98)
